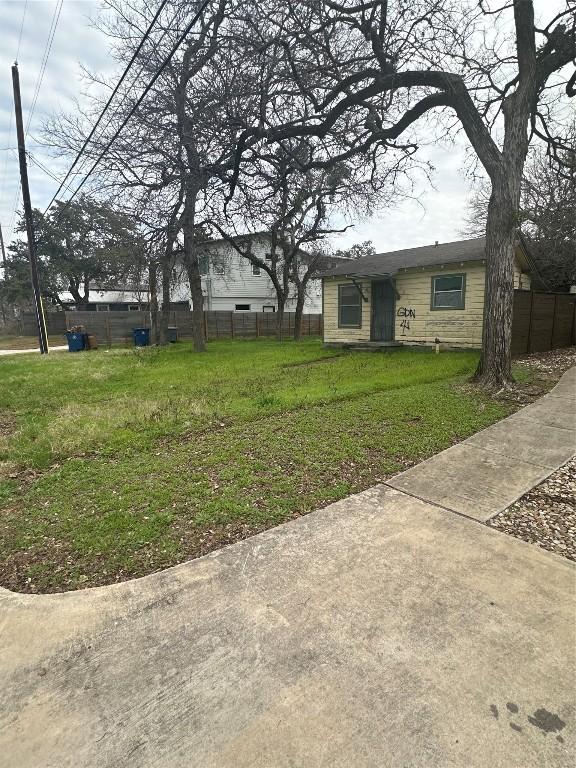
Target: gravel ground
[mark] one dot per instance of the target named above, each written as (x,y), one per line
(546,515)
(554,362)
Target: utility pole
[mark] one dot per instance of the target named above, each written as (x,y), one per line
(41,321)
(2,310)
(2,248)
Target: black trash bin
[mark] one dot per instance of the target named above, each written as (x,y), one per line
(172,334)
(141,337)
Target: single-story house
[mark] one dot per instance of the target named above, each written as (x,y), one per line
(119,299)
(414,296)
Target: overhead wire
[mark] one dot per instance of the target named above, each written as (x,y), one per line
(21,30)
(10,123)
(110,99)
(141,98)
(44,61)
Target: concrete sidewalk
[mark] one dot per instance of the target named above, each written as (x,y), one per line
(492,469)
(6,352)
(381,631)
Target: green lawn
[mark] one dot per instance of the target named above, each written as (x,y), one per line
(117,463)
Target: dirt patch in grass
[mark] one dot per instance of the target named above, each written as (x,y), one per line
(319,360)
(7,427)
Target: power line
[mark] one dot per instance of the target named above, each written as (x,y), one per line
(44,61)
(137,104)
(21,29)
(5,170)
(47,171)
(112,95)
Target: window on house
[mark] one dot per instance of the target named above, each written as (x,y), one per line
(203,264)
(268,308)
(349,306)
(102,307)
(242,307)
(448,292)
(268,257)
(255,270)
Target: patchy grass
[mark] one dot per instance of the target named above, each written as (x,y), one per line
(115,464)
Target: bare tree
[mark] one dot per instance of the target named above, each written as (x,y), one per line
(546,216)
(403,70)
(295,193)
(179,141)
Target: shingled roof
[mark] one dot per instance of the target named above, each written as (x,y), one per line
(424,256)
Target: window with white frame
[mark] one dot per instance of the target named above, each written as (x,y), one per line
(255,270)
(242,307)
(448,292)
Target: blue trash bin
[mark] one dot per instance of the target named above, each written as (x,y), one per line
(141,337)
(76,341)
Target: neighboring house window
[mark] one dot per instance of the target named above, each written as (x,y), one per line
(349,306)
(242,307)
(255,270)
(268,308)
(203,264)
(102,307)
(448,292)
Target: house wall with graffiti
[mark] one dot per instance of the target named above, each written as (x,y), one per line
(416,322)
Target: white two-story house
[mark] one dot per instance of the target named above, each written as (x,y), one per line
(232,283)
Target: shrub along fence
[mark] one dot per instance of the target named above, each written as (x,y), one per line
(115,328)
(543,321)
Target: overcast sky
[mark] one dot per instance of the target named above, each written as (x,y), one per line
(438,213)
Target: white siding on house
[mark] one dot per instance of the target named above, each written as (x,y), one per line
(231,281)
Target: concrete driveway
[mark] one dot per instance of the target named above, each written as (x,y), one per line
(383,631)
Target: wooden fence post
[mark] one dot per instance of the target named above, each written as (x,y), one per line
(108,333)
(529,334)
(257,327)
(232,324)
(206,325)
(553,322)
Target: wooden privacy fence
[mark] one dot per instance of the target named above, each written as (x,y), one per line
(113,328)
(26,325)
(543,321)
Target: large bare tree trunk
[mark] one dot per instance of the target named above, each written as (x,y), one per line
(298,313)
(280,317)
(495,366)
(153,293)
(193,272)
(166,276)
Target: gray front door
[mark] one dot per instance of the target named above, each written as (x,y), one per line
(383,300)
